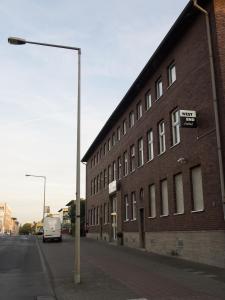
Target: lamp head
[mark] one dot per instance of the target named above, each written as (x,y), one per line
(16,41)
(27,175)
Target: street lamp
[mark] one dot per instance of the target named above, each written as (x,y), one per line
(44,177)
(20,41)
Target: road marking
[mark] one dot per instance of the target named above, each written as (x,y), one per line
(138,299)
(45,298)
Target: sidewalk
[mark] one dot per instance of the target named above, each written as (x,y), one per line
(111,272)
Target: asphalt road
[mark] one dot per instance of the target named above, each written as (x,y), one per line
(23,275)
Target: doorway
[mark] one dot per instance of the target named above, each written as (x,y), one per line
(142,228)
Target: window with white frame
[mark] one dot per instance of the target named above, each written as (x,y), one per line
(150,153)
(197,191)
(113,139)
(140,152)
(119,168)
(152,201)
(104,149)
(100,180)
(109,144)
(164,198)
(97,158)
(98,183)
(114,171)
(139,110)
(109,174)
(95,186)
(105,178)
(91,187)
(131,119)
(105,213)
(148,100)
(124,127)
(118,134)
(132,158)
(159,88)
(125,163)
(162,137)
(134,206)
(179,194)
(126,208)
(172,74)
(175,127)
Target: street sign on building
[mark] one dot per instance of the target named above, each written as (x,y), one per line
(188,119)
(112,187)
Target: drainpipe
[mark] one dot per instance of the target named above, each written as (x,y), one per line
(215,104)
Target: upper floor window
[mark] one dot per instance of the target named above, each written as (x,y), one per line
(139,110)
(91,187)
(109,173)
(125,163)
(109,144)
(175,127)
(171,74)
(100,180)
(92,163)
(134,206)
(105,178)
(97,158)
(126,208)
(113,139)
(162,137)
(131,119)
(114,171)
(159,88)
(132,158)
(140,152)
(119,168)
(118,134)
(150,153)
(148,100)
(124,127)
(152,201)
(98,183)
(100,153)
(104,149)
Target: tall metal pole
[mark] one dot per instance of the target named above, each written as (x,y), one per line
(77,203)
(44,198)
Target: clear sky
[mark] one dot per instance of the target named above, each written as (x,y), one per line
(39,87)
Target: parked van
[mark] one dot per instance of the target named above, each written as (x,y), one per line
(52,229)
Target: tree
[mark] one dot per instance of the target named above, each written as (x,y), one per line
(25,229)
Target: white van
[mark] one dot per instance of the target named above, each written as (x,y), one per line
(52,229)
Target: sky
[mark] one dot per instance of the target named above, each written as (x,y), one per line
(38,93)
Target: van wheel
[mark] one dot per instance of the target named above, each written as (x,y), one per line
(43,240)
(60,239)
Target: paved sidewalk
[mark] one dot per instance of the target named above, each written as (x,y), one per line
(114,272)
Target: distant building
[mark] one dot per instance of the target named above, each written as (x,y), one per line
(5,218)
(14,226)
(152,177)
(65,219)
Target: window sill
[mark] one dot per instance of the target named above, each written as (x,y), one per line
(138,167)
(148,161)
(133,220)
(158,98)
(176,214)
(160,154)
(197,211)
(162,216)
(169,86)
(151,217)
(125,221)
(175,145)
(132,171)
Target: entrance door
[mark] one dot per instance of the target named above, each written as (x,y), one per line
(114,218)
(142,229)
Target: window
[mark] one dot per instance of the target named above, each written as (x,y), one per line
(113,139)
(179,195)
(140,152)
(131,119)
(124,127)
(172,74)
(150,153)
(94,219)
(119,168)
(97,216)
(100,153)
(91,187)
(159,88)
(95,185)
(97,158)
(175,127)
(98,183)
(139,110)
(114,171)
(109,174)
(126,208)
(109,144)
(197,192)
(94,160)
(100,180)
(162,137)
(125,163)
(118,134)
(133,208)
(164,198)
(152,202)
(92,163)
(105,178)
(104,149)
(105,213)
(148,100)
(132,158)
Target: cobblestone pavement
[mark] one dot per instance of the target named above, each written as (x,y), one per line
(116,272)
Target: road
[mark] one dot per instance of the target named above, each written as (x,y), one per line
(22,273)
(30,269)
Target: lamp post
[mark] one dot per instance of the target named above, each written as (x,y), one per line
(20,41)
(44,177)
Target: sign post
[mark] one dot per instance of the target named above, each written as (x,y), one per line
(188,119)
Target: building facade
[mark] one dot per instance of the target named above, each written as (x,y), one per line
(156,184)
(6,221)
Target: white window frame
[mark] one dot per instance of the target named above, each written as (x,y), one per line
(172,76)
(140,152)
(114,170)
(132,158)
(109,174)
(125,163)
(124,127)
(162,137)
(119,168)
(148,100)
(150,149)
(118,134)
(109,144)
(131,119)
(139,110)
(175,120)
(126,206)
(152,201)
(134,206)
(113,139)
(159,88)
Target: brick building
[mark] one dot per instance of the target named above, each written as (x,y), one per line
(156,184)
